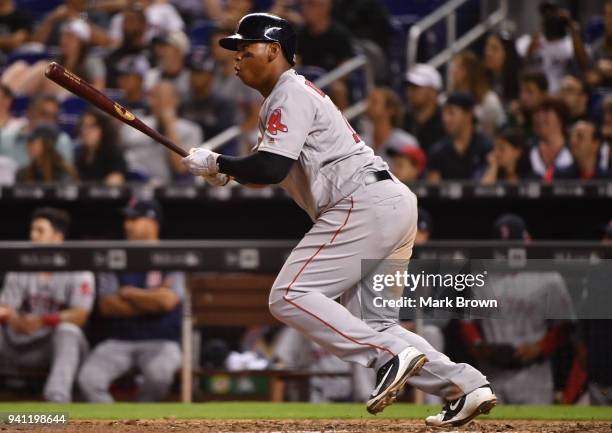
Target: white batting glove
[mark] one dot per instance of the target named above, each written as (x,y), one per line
(219,179)
(201,162)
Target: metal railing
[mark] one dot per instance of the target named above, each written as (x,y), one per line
(357,62)
(448,12)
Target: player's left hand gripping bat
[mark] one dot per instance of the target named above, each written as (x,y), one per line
(81,88)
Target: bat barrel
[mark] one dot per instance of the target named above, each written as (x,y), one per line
(81,88)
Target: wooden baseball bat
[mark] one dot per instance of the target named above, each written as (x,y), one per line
(75,84)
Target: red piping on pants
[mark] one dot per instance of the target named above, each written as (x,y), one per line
(314,315)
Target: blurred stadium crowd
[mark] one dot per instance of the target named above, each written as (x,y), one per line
(528,107)
(516,107)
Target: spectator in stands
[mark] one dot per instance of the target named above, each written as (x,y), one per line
(551,158)
(554,51)
(424,116)
(606,127)
(43,109)
(74,55)
(214,113)
(146,159)
(42,313)
(99,157)
(514,346)
(601,51)
(15,27)
(8,167)
(407,163)
(289,10)
(385,112)
(131,71)
(141,314)
(162,19)
(590,152)
(133,43)
(509,159)
(227,13)
(367,19)
(46,164)
(533,90)
(462,153)
(48,32)
(246,101)
(574,93)
(503,65)
(323,42)
(171,50)
(469,75)
(6,101)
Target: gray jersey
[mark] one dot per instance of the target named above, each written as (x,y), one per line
(37,293)
(31,292)
(300,122)
(527,302)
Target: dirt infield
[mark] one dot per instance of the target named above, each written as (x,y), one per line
(314,426)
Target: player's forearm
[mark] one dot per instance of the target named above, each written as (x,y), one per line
(579,50)
(41,34)
(159,300)
(114,306)
(6,312)
(262,168)
(14,40)
(77,316)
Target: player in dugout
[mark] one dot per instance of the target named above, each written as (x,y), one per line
(141,326)
(359,209)
(42,313)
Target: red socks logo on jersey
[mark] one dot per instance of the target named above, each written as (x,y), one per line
(275,124)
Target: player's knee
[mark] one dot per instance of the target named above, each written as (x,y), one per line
(68,331)
(89,381)
(277,303)
(162,368)
(159,373)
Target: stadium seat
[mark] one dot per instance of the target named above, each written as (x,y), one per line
(200,32)
(38,8)
(263,5)
(312,73)
(20,105)
(420,8)
(70,111)
(27,56)
(594,29)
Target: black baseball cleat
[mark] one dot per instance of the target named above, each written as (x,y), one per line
(391,378)
(463,410)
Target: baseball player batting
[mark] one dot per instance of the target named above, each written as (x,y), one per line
(360,211)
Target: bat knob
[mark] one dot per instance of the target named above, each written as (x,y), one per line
(51,67)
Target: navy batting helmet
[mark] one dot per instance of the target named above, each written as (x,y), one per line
(261,27)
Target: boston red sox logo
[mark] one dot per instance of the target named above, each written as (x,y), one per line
(275,124)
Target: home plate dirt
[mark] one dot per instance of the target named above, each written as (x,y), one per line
(314,426)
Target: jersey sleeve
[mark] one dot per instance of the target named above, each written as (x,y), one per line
(107,284)
(176,282)
(12,294)
(559,306)
(82,291)
(288,122)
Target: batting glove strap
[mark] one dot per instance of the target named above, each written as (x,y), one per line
(219,179)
